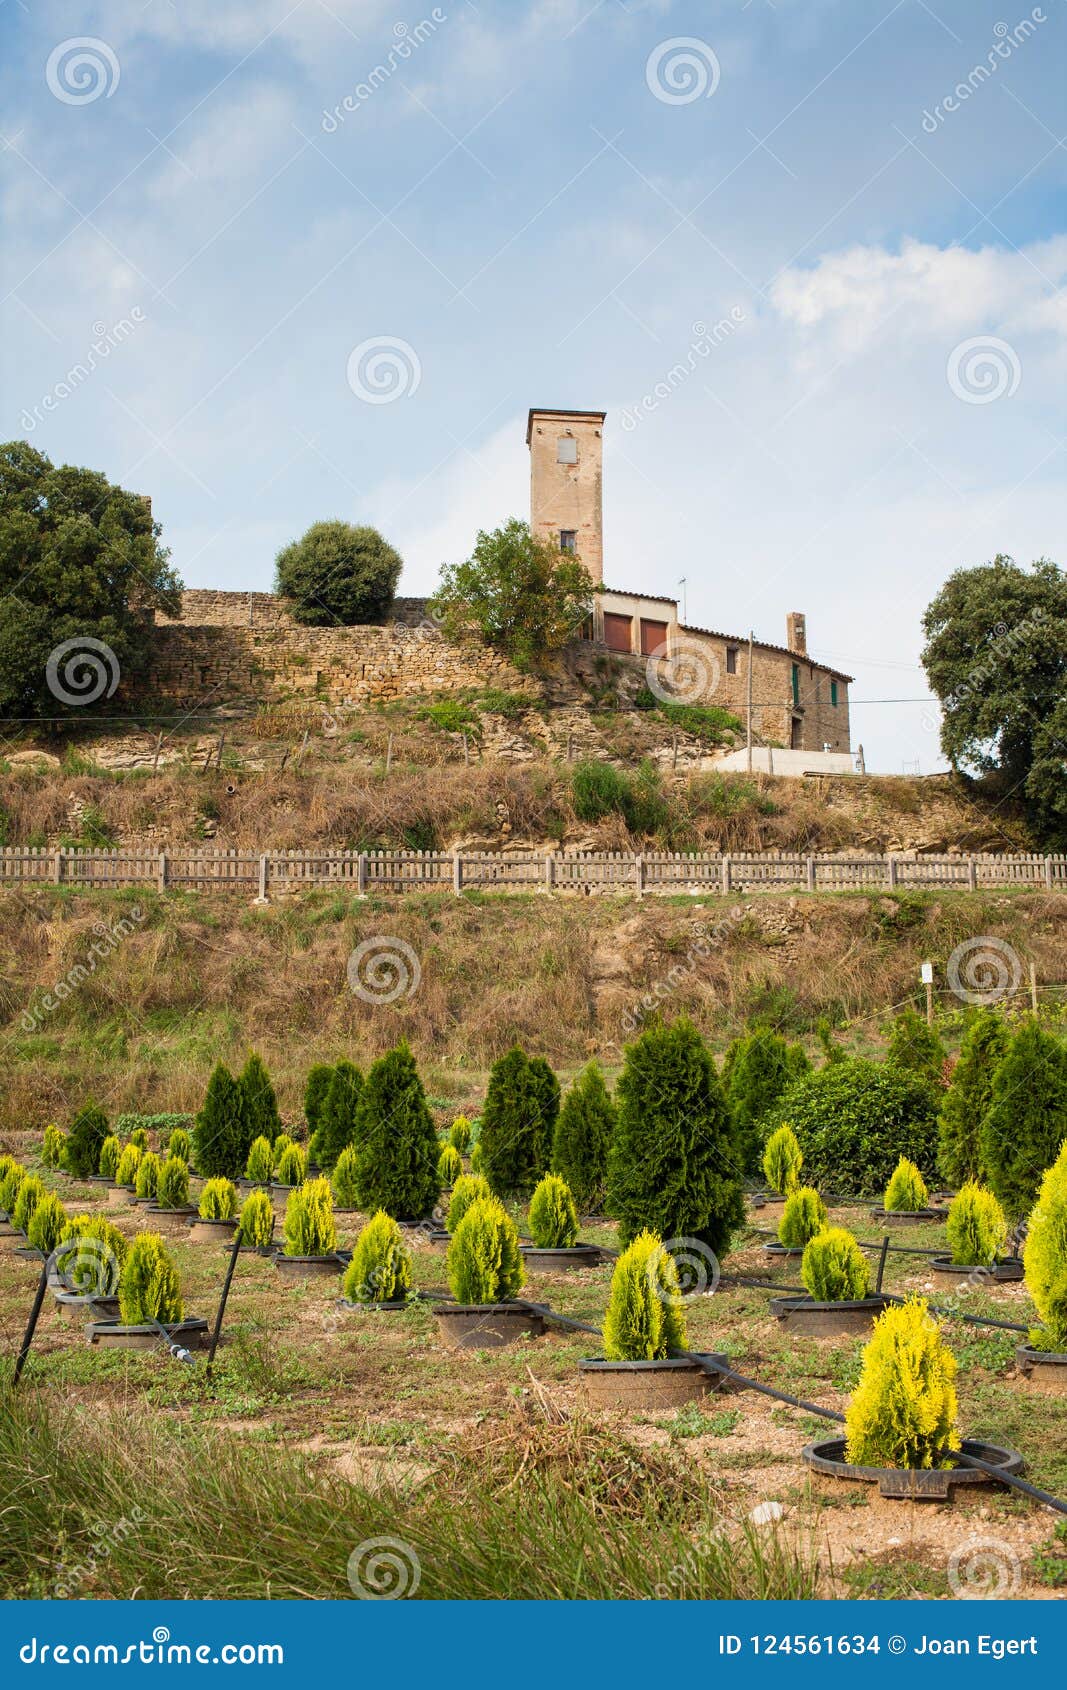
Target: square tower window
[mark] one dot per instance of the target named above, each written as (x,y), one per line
(568,539)
(566,449)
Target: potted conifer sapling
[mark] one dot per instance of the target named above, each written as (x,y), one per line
(124,1189)
(782,1161)
(215,1220)
(553,1223)
(485,1272)
(171,1212)
(907,1199)
(378,1278)
(88,1262)
(150,1303)
(259,1169)
(803,1216)
(310,1234)
(1042,1360)
(255,1223)
(644,1331)
(977,1232)
(146,1181)
(900,1426)
(837,1277)
(290,1173)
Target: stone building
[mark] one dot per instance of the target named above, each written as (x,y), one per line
(797,703)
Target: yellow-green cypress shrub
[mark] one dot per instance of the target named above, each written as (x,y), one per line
(110,1154)
(906,1191)
(146,1183)
(31,1192)
(484,1262)
(180,1144)
(10,1186)
(1045,1258)
(345,1178)
(782,1160)
(803,1216)
(449,1165)
(46,1224)
(260,1165)
(172,1191)
(292,1165)
(976,1226)
(149,1288)
(645,1318)
(218,1200)
(90,1255)
(903,1411)
(833,1268)
(459,1134)
(128,1164)
(256,1221)
(53,1147)
(380,1269)
(309,1223)
(553,1216)
(467,1190)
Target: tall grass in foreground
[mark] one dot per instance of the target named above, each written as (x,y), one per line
(97,1504)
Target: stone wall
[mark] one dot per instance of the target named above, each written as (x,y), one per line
(206,607)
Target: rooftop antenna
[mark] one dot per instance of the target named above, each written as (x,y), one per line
(681,583)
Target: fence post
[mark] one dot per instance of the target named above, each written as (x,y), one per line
(726,875)
(262,895)
(361,875)
(809,864)
(1048,874)
(550,871)
(972,875)
(639,871)
(891,865)
(457,872)
(161,872)
(59,866)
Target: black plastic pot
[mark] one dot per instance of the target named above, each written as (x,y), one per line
(644,1385)
(934,1484)
(907,1217)
(74,1305)
(487,1326)
(111,1334)
(1046,1370)
(372,1308)
(170,1223)
(828,1320)
(1008,1272)
(307,1267)
(540,1260)
(205,1229)
(782,1252)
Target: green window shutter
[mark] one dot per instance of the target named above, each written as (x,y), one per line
(833,693)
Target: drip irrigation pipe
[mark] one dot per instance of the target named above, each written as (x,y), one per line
(31,1326)
(935,1308)
(231,1269)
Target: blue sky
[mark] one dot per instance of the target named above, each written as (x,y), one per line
(549,203)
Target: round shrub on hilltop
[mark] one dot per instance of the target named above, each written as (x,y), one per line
(854,1120)
(338,574)
(674,1166)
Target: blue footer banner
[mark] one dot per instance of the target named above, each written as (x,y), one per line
(474,1642)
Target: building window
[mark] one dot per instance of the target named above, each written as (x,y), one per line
(566,449)
(833,693)
(568,539)
(731,660)
(796,683)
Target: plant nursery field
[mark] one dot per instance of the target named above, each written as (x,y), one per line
(128,1474)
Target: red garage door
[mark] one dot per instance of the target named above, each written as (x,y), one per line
(653,638)
(618,631)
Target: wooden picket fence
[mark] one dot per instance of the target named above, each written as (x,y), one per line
(612,871)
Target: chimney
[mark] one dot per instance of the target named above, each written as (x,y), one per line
(796,637)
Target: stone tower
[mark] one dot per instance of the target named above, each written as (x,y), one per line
(566,479)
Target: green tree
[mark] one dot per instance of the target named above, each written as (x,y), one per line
(1026,1122)
(316,1088)
(511,1137)
(220,1137)
(85,1140)
(996,656)
(261,1116)
(915,1047)
(338,575)
(674,1167)
(763,1067)
(396,1140)
(645,1318)
(969,1094)
(854,1120)
(547,1087)
(582,1139)
(520,592)
(80,561)
(337,1115)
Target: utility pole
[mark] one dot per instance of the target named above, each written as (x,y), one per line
(748,736)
